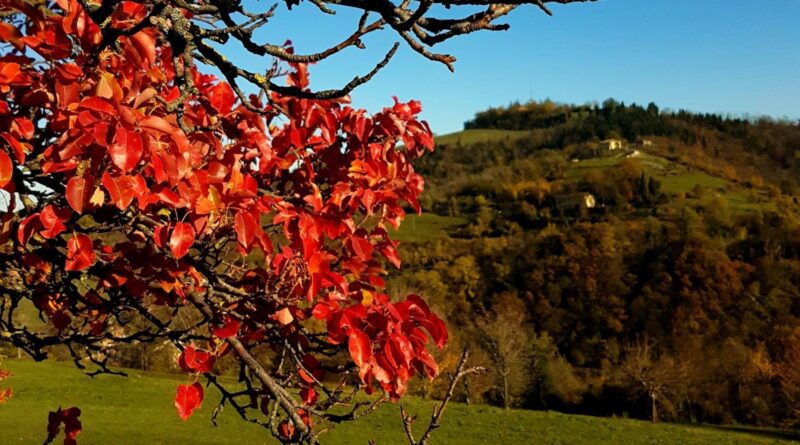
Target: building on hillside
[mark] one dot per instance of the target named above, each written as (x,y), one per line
(611,144)
(645,143)
(576,201)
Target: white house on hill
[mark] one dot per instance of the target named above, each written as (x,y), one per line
(574,201)
(611,144)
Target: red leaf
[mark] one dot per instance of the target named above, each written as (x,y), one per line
(79,191)
(52,218)
(158,124)
(309,396)
(360,347)
(187,399)
(196,360)
(97,104)
(68,72)
(22,127)
(20,149)
(6,168)
(120,190)
(390,252)
(160,235)
(229,328)
(80,254)
(362,248)
(126,150)
(286,430)
(245,226)
(26,228)
(72,425)
(9,33)
(8,71)
(181,240)
(221,98)
(146,46)
(5,394)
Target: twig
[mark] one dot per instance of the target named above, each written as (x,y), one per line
(438,410)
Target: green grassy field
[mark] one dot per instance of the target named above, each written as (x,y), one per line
(467,137)
(138,410)
(426,227)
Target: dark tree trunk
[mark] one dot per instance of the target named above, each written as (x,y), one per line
(505,390)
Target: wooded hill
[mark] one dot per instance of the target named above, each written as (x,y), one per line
(618,259)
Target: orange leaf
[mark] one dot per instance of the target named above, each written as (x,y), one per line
(6,169)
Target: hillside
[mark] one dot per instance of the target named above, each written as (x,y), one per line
(594,250)
(138,410)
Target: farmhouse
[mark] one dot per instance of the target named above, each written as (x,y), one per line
(611,144)
(576,201)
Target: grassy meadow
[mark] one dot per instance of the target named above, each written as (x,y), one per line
(138,410)
(467,137)
(426,227)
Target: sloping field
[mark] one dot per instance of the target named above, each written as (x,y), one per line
(138,410)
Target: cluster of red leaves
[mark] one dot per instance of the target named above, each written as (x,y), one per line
(324,178)
(6,393)
(72,426)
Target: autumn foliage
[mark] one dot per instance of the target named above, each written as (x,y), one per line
(136,183)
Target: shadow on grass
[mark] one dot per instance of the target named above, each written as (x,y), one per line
(771,433)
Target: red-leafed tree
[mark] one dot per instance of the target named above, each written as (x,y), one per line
(135,184)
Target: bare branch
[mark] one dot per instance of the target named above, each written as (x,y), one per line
(438,410)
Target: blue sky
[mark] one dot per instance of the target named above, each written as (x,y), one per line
(729,56)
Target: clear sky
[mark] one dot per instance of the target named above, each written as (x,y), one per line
(728,56)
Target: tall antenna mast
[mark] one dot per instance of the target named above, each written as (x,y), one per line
(530,91)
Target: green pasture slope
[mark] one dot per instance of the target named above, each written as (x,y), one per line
(138,410)
(468,137)
(426,227)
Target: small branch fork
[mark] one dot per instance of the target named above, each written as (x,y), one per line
(438,410)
